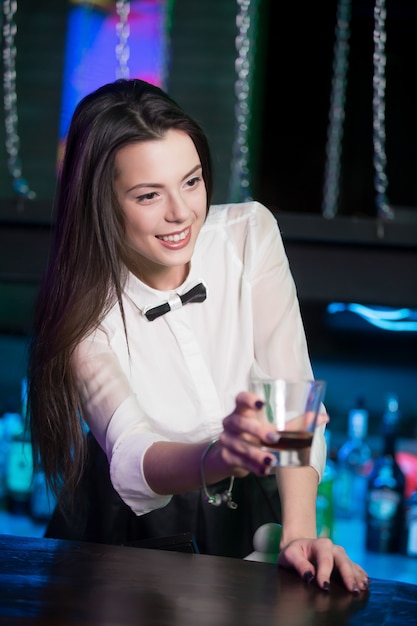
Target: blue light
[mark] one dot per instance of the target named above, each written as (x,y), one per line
(398,320)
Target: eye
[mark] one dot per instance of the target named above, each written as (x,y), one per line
(147,197)
(193,181)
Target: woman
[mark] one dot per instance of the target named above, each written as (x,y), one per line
(160,377)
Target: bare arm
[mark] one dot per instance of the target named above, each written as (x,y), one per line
(175,467)
(298,492)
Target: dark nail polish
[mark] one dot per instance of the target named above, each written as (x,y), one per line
(267,460)
(308,577)
(259,404)
(272,437)
(326,586)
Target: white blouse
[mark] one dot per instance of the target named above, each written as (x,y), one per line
(179,375)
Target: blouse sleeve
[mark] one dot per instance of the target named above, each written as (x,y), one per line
(116,420)
(279,337)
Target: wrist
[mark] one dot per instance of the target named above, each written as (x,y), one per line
(293,535)
(215,499)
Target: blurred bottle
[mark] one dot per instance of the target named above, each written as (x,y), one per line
(386,488)
(4,452)
(410,526)
(19,473)
(353,466)
(324,503)
(408,464)
(19,469)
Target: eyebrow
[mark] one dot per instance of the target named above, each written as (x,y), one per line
(159,186)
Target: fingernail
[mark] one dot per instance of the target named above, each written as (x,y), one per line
(355,589)
(267,460)
(308,577)
(272,436)
(326,586)
(259,404)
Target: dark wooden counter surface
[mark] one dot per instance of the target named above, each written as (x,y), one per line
(59,583)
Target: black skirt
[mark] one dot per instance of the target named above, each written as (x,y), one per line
(98,514)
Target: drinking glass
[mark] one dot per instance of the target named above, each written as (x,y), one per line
(294,409)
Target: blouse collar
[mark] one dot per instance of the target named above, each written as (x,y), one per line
(144,296)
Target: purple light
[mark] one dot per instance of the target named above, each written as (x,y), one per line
(90,57)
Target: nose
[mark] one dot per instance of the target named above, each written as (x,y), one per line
(177,210)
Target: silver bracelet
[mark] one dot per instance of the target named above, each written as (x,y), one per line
(218,498)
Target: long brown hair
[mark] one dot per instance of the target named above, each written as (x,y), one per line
(84,276)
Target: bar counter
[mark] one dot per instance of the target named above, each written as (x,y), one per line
(62,583)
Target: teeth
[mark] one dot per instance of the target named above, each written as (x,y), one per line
(176,237)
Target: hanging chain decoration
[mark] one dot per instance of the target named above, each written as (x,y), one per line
(122,31)
(245,21)
(384,211)
(337,110)
(166,55)
(12,140)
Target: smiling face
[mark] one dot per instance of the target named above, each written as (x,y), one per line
(162,194)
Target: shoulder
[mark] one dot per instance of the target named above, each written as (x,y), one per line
(237,211)
(246,230)
(237,215)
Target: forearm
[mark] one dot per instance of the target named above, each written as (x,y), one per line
(172,467)
(298,493)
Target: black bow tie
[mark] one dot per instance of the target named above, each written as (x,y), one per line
(196,294)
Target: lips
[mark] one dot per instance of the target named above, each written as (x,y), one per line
(176,237)
(176,240)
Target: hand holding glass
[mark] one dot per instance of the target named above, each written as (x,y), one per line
(294,409)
